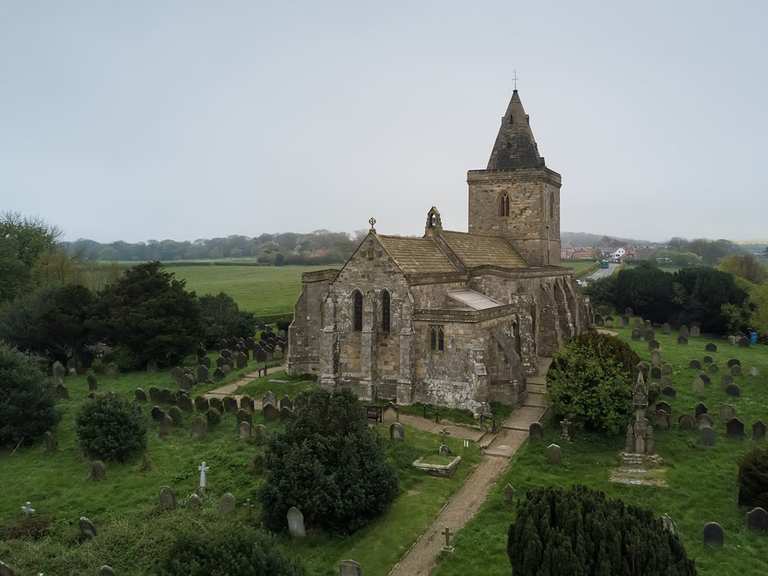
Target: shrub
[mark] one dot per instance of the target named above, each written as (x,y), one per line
(753,478)
(111,428)
(580,531)
(26,404)
(241,552)
(590,382)
(328,464)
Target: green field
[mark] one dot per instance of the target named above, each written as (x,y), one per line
(580,267)
(702,482)
(263,290)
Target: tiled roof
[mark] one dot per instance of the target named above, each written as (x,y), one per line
(415,255)
(472,299)
(475,250)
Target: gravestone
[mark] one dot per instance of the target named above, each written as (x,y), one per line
(713,534)
(637,334)
(259,433)
(734,428)
(669,391)
(732,340)
(295,522)
(662,420)
(705,378)
(166,396)
(226,369)
(93,383)
(167,498)
(695,364)
(734,362)
(666,329)
(726,380)
(216,404)
(695,331)
(247,403)
(536,432)
(286,413)
(203,373)
(58,370)
(245,430)
(758,431)
(698,386)
(754,372)
(165,426)
(757,520)
(185,403)
(51,442)
(98,471)
(713,369)
(655,373)
(553,454)
(230,404)
(708,360)
(244,416)
(686,422)
(270,413)
(286,402)
(194,501)
(656,358)
(707,435)
(666,369)
(139,395)
(201,404)
(61,392)
(727,412)
(106,571)
(199,428)
(350,568)
(87,528)
(397,432)
(711,347)
(663,407)
(684,332)
(154,394)
(653,345)
(733,390)
(227,503)
(269,398)
(682,340)
(736,370)
(700,408)
(705,420)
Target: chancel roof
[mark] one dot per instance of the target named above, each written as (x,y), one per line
(415,255)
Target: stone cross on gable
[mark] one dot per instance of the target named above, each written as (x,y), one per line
(372,222)
(514,78)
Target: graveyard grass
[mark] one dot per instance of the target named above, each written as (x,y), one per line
(290,386)
(264,290)
(702,482)
(133,534)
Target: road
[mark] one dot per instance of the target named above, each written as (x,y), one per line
(602,272)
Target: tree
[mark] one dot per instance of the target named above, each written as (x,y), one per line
(149,314)
(241,552)
(222,318)
(26,404)
(329,465)
(753,478)
(702,293)
(745,266)
(590,382)
(561,532)
(51,322)
(111,428)
(647,290)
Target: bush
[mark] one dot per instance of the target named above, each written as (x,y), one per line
(241,552)
(26,404)
(111,428)
(753,478)
(590,382)
(329,465)
(580,531)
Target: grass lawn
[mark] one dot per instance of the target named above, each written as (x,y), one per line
(580,267)
(263,290)
(702,483)
(291,386)
(133,534)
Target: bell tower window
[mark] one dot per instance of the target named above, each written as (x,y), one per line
(504,205)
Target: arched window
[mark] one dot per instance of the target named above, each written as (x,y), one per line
(552,206)
(385,314)
(436,338)
(357,317)
(504,205)
(440,339)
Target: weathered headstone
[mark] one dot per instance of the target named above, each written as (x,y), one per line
(698,386)
(553,454)
(757,519)
(727,411)
(686,422)
(733,362)
(93,383)
(230,404)
(87,528)
(270,412)
(51,442)
(711,347)
(245,430)
(194,501)
(201,404)
(227,503)
(655,373)
(185,403)
(216,404)
(269,398)
(705,378)
(98,471)
(666,329)
(705,420)
(166,424)
(203,373)
(350,568)
(637,334)
(653,345)
(663,407)
(734,428)
(708,360)
(684,332)
(736,370)
(713,534)
(397,432)
(286,402)
(295,522)
(536,432)
(699,409)
(106,570)
(199,427)
(733,390)
(695,364)
(509,493)
(669,391)
(713,369)
(259,433)
(656,358)
(247,403)
(707,435)
(167,498)
(758,431)
(662,420)
(695,331)
(139,395)
(682,340)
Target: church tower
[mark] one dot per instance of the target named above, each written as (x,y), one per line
(517,196)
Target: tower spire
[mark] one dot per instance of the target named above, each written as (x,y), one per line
(515,146)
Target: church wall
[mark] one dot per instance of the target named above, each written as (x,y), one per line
(303,340)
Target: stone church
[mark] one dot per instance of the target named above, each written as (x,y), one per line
(456,319)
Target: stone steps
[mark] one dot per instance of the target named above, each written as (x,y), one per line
(536,400)
(536,388)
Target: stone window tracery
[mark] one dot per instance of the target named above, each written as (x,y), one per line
(357,311)
(436,338)
(504,205)
(386,320)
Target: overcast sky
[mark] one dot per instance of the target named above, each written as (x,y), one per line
(139,120)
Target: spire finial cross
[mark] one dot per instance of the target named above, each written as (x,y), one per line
(514,78)
(372,222)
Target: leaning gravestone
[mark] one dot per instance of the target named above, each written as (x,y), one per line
(167,498)
(397,432)
(245,430)
(733,390)
(669,391)
(757,519)
(87,528)
(758,431)
(686,422)
(707,435)
(711,347)
(727,412)
(98,471)
(713,534)
(553,454)
(350,568)
(536,432)
(227,503)
(295,522)
(734,428)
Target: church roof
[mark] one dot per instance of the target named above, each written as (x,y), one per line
(515,146)
(473,300)
(414,255)
(475,250)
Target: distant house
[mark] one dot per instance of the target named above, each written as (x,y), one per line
(619,254)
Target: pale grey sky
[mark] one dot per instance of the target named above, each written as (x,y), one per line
(138,120)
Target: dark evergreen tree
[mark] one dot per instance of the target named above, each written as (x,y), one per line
(222,318)
(580,532)
(753,478)
(111,428)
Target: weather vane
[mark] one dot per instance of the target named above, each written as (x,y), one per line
(372,222)
(514,78)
